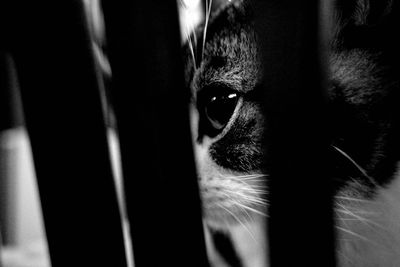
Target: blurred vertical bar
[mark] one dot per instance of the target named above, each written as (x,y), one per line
(3,121)
(10,118)
(301,216)
(153,120)
(63,113)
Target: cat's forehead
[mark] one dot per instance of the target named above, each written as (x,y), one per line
(230,57)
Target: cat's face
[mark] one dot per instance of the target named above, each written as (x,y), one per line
(228,127)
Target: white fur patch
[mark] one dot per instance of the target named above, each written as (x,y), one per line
(369,229)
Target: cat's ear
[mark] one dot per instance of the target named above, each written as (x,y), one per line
(365,23)
(362,12)
(371,12)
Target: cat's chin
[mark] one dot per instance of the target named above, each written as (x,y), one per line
(219,221)
(216,224)
(220,218)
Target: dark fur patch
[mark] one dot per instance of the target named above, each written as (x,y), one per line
(241,148)
(364,89)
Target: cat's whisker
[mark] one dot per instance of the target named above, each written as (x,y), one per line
(193,30)
(207,17)
(249,182)
(247,177)
(250,218)
(251,209)
(341,218)
(251,199)
(239,221)
(355,199)
(363,212)
(254,190)
(356,211)
(235,202)
(364,172)
(258,191)
(361,219)
(356,182)
(343,255)
(259,202)
(243,186)
(357,235)
(367,222)
(191,38)
(349,219)
(252,175)
(252,184)
(356,214)
(192,51)
(251,187)
(247,189)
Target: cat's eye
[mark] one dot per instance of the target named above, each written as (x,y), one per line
(220,108)
(216,105)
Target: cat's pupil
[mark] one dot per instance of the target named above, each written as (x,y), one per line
(220,108)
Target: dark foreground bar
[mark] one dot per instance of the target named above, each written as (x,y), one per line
(61,100)
(152,115)
(300,224)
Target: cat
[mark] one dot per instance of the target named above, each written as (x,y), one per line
(228,126)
